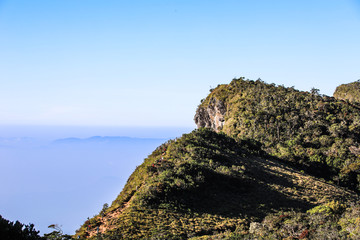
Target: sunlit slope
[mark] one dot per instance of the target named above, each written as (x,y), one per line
(318,133)
(206,182)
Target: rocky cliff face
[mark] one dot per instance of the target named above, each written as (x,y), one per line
(212,115)
(350,92)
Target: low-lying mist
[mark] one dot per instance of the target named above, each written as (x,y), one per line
(65,180)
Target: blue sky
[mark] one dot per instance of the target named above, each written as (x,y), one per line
(114,63)
(149,63)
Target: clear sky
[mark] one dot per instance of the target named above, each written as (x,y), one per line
(149,63)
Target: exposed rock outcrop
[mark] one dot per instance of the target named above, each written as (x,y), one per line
(349,92)
(211,116)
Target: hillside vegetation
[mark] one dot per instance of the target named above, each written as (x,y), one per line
(267,162)
(318,133)
(207,183)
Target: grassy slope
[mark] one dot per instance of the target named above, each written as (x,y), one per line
(207,183)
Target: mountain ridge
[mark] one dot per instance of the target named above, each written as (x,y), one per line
(228,180)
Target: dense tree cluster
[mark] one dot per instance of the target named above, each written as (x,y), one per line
(319,133)
(16,230)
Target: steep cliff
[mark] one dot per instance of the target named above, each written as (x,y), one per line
(350,92)
(211,116)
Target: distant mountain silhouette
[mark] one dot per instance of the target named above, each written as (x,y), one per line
(105,139)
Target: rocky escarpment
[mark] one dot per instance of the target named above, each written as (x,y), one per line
(350,92)
(211,116)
